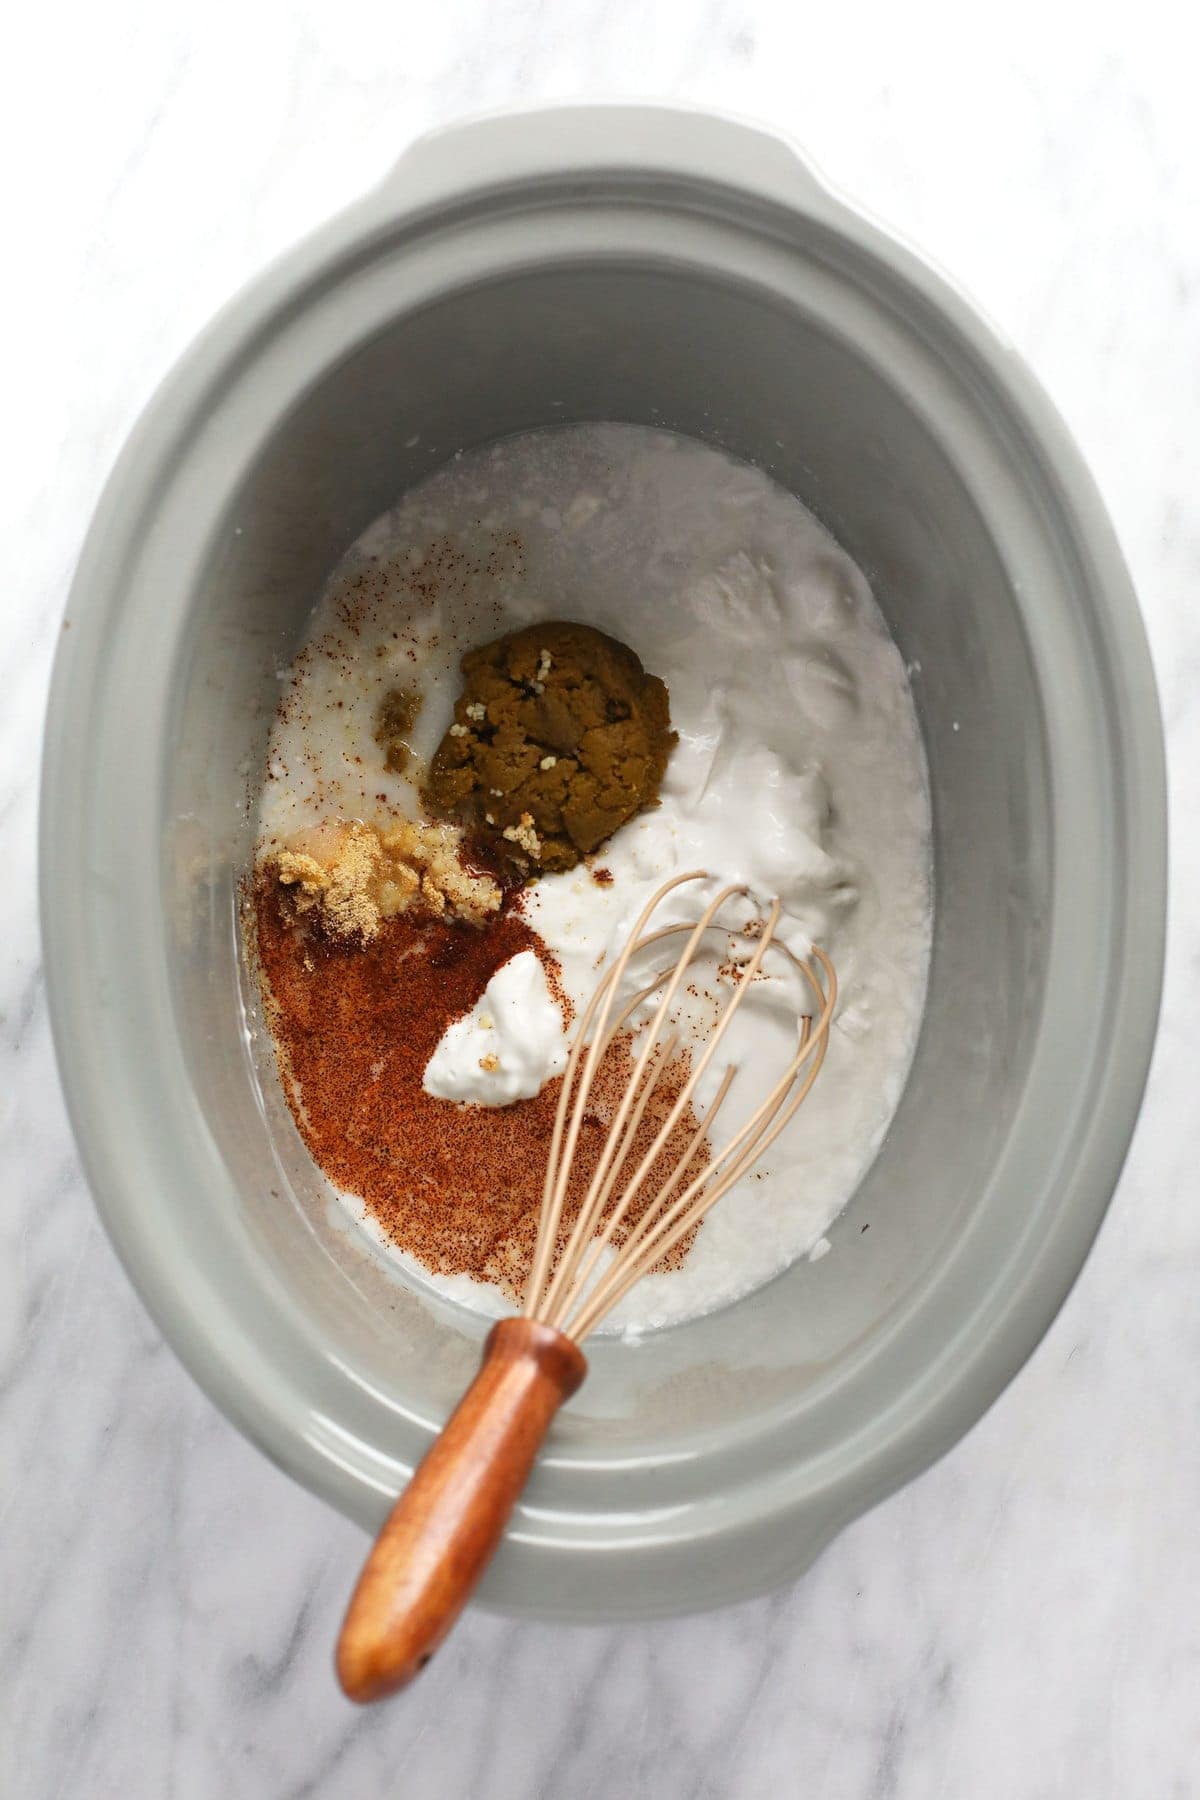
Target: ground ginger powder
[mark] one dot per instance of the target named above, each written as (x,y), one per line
(350,878)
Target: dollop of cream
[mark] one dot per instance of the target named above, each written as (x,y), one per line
(509,1044)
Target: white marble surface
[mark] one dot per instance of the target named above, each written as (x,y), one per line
(1023,1622)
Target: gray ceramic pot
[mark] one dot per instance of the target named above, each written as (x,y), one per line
(660,267)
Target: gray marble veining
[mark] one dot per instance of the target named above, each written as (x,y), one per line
(1022,1622)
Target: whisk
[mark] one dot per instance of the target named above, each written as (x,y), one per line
(450,1518)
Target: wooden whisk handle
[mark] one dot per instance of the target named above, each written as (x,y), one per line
(447,1523)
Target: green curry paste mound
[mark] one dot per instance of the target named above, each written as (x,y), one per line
(559,737)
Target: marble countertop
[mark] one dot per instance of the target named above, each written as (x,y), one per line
(1020,1623)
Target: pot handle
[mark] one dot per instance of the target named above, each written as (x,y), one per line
(664,140)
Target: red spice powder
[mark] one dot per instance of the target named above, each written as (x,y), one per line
(459,1187)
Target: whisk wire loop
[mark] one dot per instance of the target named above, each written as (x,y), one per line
(576,1292)
(589,1212)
